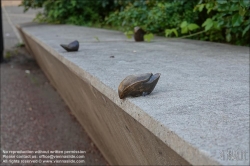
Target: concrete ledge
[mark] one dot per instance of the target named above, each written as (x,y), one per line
(197,113)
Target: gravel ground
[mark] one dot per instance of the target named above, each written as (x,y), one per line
(34,116)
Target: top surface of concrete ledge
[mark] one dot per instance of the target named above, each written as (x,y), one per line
(200,106)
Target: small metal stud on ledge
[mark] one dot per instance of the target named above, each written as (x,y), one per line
(138,85)
(73,46)
(139,34)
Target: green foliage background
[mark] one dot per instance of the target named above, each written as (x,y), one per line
(224,21)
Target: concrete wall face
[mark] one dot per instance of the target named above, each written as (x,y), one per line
(120,138)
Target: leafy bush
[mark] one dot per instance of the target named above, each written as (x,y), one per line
(153,17)
(230,19)
(211,20)
(226,21)
(78,12)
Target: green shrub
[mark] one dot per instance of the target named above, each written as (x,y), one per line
(78,12)
(153,17)
(229,19)
(211,20)
(226,21)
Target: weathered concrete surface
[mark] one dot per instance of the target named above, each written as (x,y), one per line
(200,106)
